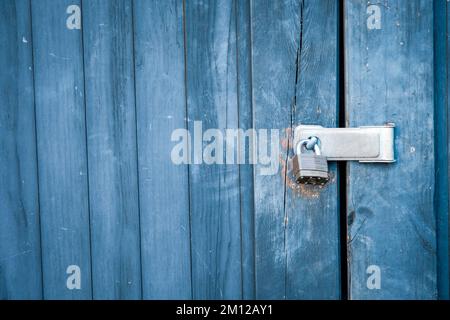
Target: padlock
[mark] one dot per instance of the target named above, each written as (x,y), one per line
(310,167)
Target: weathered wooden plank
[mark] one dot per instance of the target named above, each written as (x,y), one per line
(392,224)
(444,225)
(20,251)
(275,37)
(164,193)
(441,143)
(61,136)
(312,213)
(441,41)
(112,153)
(244,79)
(294,81)
(214,188)
(275,41)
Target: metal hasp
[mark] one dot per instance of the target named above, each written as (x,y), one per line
(363,144)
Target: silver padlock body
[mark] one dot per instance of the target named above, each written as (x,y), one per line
(309,168)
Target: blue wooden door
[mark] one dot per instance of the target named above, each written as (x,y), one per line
(392,221)
(146,149)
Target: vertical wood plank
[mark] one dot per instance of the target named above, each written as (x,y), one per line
(60,122)
(312,231)
(441,42)
(164,193)
(214,189)
(294,81)
(20,251)
(389,78)
(244,80)
(112,154)
(444,218)
(275,36)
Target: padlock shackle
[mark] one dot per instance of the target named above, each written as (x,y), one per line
(304,142)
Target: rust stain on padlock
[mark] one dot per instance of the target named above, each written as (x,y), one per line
(300,190)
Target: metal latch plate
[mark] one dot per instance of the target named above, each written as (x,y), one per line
(363,144)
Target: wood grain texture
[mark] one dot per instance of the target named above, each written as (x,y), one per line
(61,136)
(312,227)
(441,41)
(20,251)
(214,189)
(244,80)
(164,188)
(87,179)
(389,78)
(294,81)
(275,41)
(444,222)
(112,152)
